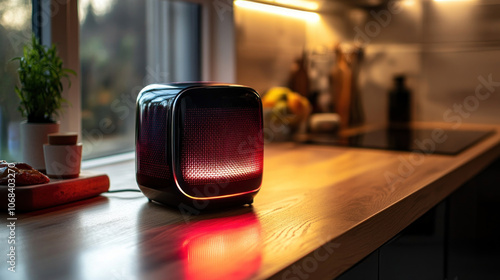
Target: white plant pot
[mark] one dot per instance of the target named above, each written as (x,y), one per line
(33,136)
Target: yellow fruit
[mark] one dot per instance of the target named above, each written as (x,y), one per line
(298,104)
(273,95)
(294,103)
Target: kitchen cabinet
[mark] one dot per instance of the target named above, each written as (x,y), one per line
(473,243)
(457,239)
(366,269)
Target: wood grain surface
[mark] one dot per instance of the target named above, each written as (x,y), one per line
(320,210)
(56,192)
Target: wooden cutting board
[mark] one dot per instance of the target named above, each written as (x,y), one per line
(56,192)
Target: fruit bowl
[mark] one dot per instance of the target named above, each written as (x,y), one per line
(285,113)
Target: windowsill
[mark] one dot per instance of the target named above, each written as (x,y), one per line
(107,160)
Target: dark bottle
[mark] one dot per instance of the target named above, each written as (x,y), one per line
(399,102)
(299,78)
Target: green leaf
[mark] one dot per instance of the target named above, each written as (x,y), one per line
(40,75)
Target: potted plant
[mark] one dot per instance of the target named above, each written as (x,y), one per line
(40,91)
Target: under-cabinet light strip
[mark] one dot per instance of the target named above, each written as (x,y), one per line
(309,16)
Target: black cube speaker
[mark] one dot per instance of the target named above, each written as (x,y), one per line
(199,143)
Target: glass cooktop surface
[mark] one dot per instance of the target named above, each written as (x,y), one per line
(438,141)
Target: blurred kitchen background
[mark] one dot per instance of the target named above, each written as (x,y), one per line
(442,47)
(445,49)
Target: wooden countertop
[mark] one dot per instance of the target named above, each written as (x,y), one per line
(321,209)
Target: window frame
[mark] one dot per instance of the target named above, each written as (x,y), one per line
(56,22)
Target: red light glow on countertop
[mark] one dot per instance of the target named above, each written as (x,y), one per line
(228,248)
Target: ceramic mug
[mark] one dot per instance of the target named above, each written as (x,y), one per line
(63,161)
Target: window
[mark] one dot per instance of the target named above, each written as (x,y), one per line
(15,31)
(124,46)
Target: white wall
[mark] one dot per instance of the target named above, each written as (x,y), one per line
(443,47)
(265,47)
(462,44)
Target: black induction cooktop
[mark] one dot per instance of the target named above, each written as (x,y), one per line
(437,141)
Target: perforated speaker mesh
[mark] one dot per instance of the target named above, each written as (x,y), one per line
(221,144)
(151,143)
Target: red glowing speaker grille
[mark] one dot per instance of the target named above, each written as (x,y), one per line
(221,145)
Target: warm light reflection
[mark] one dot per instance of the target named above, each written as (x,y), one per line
(309,16)
(225,248)
(299,4)
(219,248)
(408,3)
(463,1)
